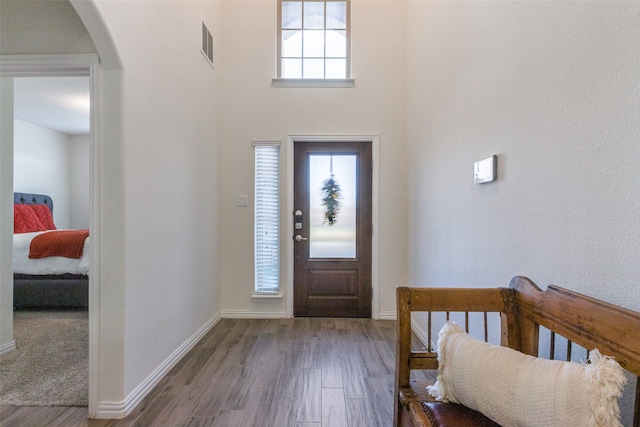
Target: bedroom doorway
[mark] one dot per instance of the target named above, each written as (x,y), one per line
(105,69)
(21,167)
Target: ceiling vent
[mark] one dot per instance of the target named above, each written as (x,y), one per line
(207,44)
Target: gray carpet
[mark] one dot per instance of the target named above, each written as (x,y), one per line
(49,366)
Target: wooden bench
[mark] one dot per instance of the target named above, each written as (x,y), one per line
(523,309)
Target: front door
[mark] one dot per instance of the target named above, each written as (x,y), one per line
(332,229)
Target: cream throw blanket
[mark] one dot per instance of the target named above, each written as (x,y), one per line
(514,389)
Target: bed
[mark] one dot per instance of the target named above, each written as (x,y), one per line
(46,281)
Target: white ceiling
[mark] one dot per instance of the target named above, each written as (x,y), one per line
(57,103)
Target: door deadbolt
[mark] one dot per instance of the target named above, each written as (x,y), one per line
(297,220)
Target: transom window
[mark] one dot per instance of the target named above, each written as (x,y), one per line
(314,39)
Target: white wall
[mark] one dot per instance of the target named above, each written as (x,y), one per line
(553,89)
(256,110)
(41,164)
(169,149)
(158,178)
(34,27)
(79,181)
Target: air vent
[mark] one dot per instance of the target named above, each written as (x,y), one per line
(207,44)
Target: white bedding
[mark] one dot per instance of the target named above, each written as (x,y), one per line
(50,265)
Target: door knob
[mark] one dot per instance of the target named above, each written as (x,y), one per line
(299,238)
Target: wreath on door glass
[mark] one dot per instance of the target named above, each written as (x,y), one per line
(330,200)
(331,194)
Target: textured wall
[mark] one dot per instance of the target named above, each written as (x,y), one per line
(169,156)
(552,88)
(33,27)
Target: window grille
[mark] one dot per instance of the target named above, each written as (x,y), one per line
(314,39)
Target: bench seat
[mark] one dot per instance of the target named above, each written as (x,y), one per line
(426,412)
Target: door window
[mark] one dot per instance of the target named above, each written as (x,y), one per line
(332,219)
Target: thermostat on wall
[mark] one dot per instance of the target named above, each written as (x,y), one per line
(485,170)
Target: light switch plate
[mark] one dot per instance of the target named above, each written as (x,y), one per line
(485,170)
(242,200)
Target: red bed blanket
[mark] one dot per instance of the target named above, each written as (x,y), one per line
(65,243)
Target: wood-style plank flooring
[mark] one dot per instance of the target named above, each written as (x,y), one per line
(303,372)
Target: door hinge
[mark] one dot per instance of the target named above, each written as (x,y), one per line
(371,293)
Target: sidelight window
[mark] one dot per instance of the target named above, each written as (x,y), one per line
(266,217)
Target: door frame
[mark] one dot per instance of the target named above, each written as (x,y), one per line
(55,65)
(288,214)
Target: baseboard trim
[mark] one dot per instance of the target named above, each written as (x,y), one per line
(251,314)
(7,348)
(111,410)
(117,410)
(388,315)
(421,333)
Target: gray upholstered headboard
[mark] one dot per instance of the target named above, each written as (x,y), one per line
(33,199)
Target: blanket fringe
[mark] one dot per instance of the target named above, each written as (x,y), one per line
(437,391)
(609,376)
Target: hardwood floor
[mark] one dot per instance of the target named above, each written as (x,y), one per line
(303,372)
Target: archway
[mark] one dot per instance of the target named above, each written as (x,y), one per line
(104,70)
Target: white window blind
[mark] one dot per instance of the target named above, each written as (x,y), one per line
(266,217)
